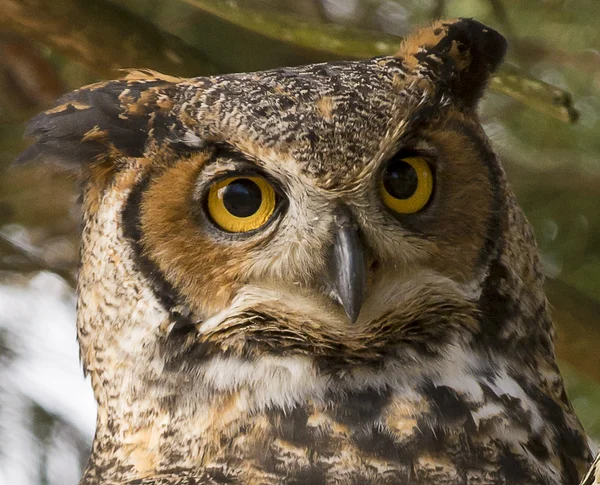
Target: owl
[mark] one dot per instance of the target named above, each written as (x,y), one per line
(311,275)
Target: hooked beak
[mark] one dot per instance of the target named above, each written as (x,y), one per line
(347,266)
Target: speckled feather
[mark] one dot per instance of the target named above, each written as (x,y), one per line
(217,359)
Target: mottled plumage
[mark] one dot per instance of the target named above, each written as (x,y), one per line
(219,357)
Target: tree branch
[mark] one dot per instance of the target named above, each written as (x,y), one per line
(102,36)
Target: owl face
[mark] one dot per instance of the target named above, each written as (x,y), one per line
(327,207)
(244,215)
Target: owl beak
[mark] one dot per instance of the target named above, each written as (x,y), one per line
(347,266)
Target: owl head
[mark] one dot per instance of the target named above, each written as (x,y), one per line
(348,213)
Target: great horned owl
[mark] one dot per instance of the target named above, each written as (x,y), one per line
(311,275)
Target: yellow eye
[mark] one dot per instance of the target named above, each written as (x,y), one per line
(241,204)
(407,184)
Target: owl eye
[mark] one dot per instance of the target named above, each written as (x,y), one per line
(407,184)
(241,204)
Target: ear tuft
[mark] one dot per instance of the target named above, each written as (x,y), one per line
(102,121)
(460,54)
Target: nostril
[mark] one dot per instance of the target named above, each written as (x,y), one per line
(374,266)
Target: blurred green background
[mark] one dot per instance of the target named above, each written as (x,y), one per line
(542,114)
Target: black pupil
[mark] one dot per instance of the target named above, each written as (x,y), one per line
(400,179)
(242,197)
